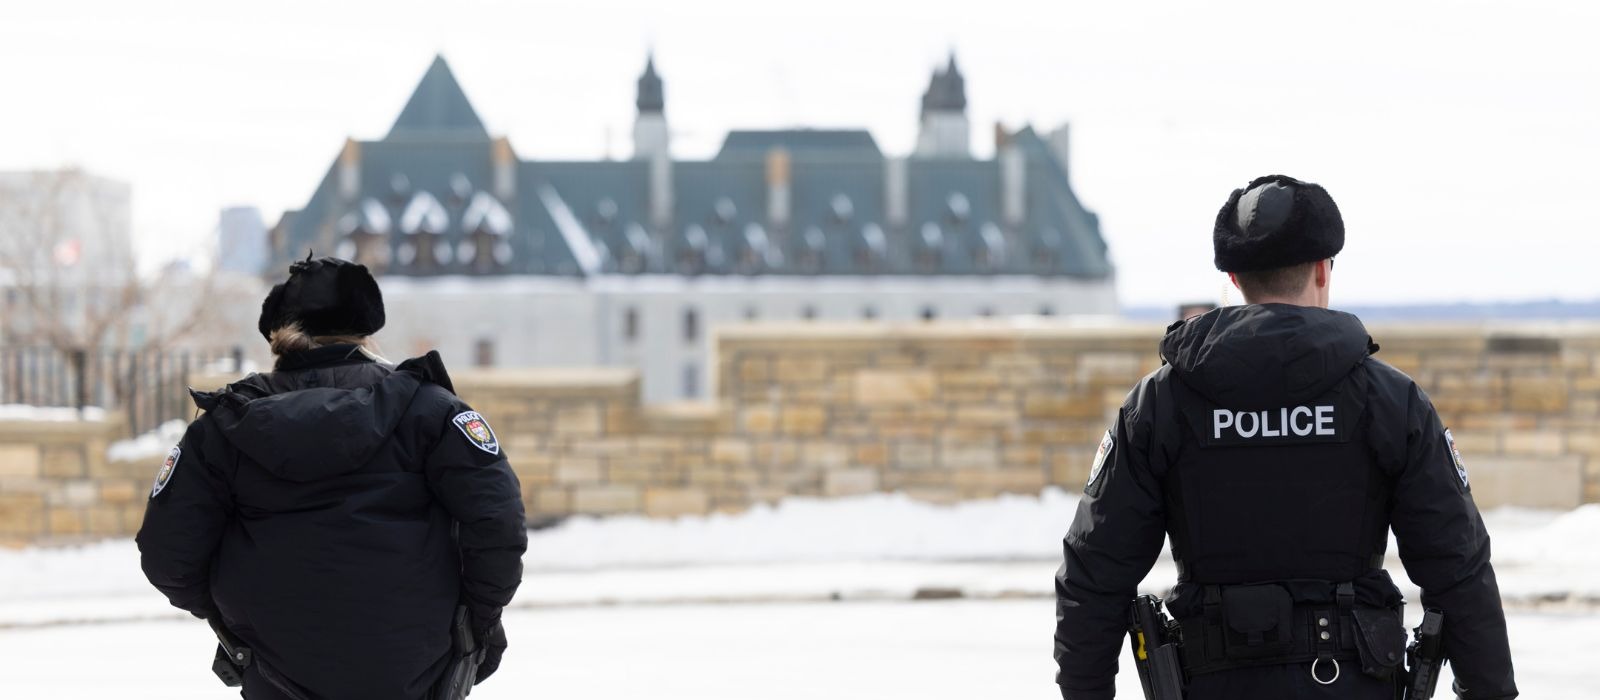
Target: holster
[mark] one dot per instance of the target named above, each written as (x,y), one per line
(464,659)
(232,655)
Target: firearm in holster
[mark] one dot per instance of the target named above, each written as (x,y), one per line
(232,655)
(464,659)
(1155,639)
(1425,656)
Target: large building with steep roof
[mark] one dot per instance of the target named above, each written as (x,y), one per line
(502,260)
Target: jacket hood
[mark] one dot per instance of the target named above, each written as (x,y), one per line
(1260,356)
(272,418)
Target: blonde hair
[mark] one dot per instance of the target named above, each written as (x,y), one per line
(292,338)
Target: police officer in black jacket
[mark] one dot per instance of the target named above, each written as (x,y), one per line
(333,513)
(1277,453)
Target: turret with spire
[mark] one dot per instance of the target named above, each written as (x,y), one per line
(650,126)
(945,131)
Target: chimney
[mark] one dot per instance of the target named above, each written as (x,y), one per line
(505,169)
(1013,178)
(778,187)
(660,191)
(1059,147)
(894,191)
(350,171)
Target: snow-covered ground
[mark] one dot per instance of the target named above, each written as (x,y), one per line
(795,600)
(953,650)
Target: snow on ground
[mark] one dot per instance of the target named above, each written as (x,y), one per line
(627,607)
(953,650)
(880,547)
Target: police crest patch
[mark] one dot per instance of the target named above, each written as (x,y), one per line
(1455,456)
(477,431)
(1107,444)
(167,468)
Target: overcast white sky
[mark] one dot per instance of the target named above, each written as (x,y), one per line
(1459,138)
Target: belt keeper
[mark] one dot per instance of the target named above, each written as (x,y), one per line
(1213,617)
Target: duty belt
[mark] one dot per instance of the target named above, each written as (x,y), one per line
(1262,625)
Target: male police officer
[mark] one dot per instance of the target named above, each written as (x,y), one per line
(1277,453)
(332,514)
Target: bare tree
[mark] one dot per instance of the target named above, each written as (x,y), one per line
(70,283)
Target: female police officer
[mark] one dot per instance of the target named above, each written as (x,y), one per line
(333,513)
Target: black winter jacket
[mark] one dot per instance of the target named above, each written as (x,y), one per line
(334,512)
(1271,446)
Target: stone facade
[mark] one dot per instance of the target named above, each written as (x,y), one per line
(943,412)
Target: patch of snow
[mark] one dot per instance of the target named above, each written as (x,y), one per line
(58,414)
(151,445)
(864,548)
(949,650)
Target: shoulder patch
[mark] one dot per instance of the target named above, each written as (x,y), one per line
(477,430)
(1107,445)
(1455,456)
(167,468)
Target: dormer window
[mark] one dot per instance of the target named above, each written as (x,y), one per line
(422,222)
(364,235)
(991,249)
(930,254)
(841,208)
(724,211)
(813,244)
(487,226)
(758,250)
(873,251)
(692,258)
(637,253)
(957,208)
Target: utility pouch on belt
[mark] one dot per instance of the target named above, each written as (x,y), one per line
(1380,641)
(1257,621)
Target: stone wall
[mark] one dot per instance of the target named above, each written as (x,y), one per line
(57,485)
(947,412)
(943,412)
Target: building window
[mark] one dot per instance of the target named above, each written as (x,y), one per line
(691,381)
(483,352)
(929,313)
(809,313)
(630,324)
(1047,310)
(869,313)
(691,325)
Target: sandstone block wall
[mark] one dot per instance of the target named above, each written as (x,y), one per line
(946,412)
(57,485)
(942,411)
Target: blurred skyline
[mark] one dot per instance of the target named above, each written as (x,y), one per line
(1458,138)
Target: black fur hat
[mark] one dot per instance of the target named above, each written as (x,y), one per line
(326,296)
(1276,221)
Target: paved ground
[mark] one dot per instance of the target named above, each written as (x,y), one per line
(925,650)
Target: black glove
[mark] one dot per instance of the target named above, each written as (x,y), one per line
(493,643)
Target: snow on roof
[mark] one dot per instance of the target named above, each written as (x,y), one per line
(571,230)
(486,213)
(424,214)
